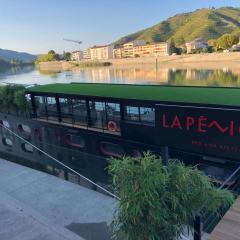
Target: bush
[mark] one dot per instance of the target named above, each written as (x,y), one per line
(159,202)
(13,99)
(227,41)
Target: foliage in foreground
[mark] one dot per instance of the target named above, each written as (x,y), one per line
(158,202)
(13,99)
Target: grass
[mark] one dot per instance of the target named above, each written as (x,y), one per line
(202,95)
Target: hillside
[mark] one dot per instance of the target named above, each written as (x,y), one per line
(203,23)
(9,55)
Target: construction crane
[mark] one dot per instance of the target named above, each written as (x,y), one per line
(74,41)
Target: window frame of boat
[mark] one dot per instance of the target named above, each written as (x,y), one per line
(75,117)
(64,115)
(43,106)
(122,103)
(139,119)
(52,114)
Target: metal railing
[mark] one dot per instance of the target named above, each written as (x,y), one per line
(60,163)
(232,184)
(210,220)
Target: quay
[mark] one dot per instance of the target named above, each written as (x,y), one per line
(36,205)
(228,227)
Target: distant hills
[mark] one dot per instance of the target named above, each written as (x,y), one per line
(202,23)
(8,55)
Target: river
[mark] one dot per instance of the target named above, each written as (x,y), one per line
(127,75)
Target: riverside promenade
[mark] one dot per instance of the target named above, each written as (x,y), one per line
(35,206)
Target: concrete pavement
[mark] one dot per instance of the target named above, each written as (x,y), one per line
(34,203)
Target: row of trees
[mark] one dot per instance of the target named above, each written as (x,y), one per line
(53,56)
(224,42)
(13,100)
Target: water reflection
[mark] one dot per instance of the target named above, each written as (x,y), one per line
(165,75)
(16,70)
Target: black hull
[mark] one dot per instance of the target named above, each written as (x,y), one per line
(88,153)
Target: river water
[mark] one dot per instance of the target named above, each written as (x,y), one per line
(128,75)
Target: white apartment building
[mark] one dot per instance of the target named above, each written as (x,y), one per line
(101,52)
(153,50)
(87,53)
(198,43)
(128,48)
(76,56)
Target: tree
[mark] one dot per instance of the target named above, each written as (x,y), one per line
(159,202)
(51,52)
(172,45)
(180,41)
(50,56)
(66,56)
(227,40)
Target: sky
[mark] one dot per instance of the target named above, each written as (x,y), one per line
(36,26)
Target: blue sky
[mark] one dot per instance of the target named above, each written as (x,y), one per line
(36,26)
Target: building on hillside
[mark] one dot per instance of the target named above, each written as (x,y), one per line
(236,47)
(101,52)
(87,53)
(118,52)
(155,49)
(196,44)
(77,55)
(127,51)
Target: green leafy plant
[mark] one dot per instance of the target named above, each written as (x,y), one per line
(159,202)
(13,99)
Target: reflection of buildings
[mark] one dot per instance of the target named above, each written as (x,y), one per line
(190,74)
(125,75)
(145,75)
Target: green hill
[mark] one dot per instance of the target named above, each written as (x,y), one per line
(202,23)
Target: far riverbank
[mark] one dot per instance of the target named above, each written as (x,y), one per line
(194,61)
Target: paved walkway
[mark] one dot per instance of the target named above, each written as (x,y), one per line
(36,205)
(229,227)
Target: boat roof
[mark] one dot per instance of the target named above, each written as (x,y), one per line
(181,94)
